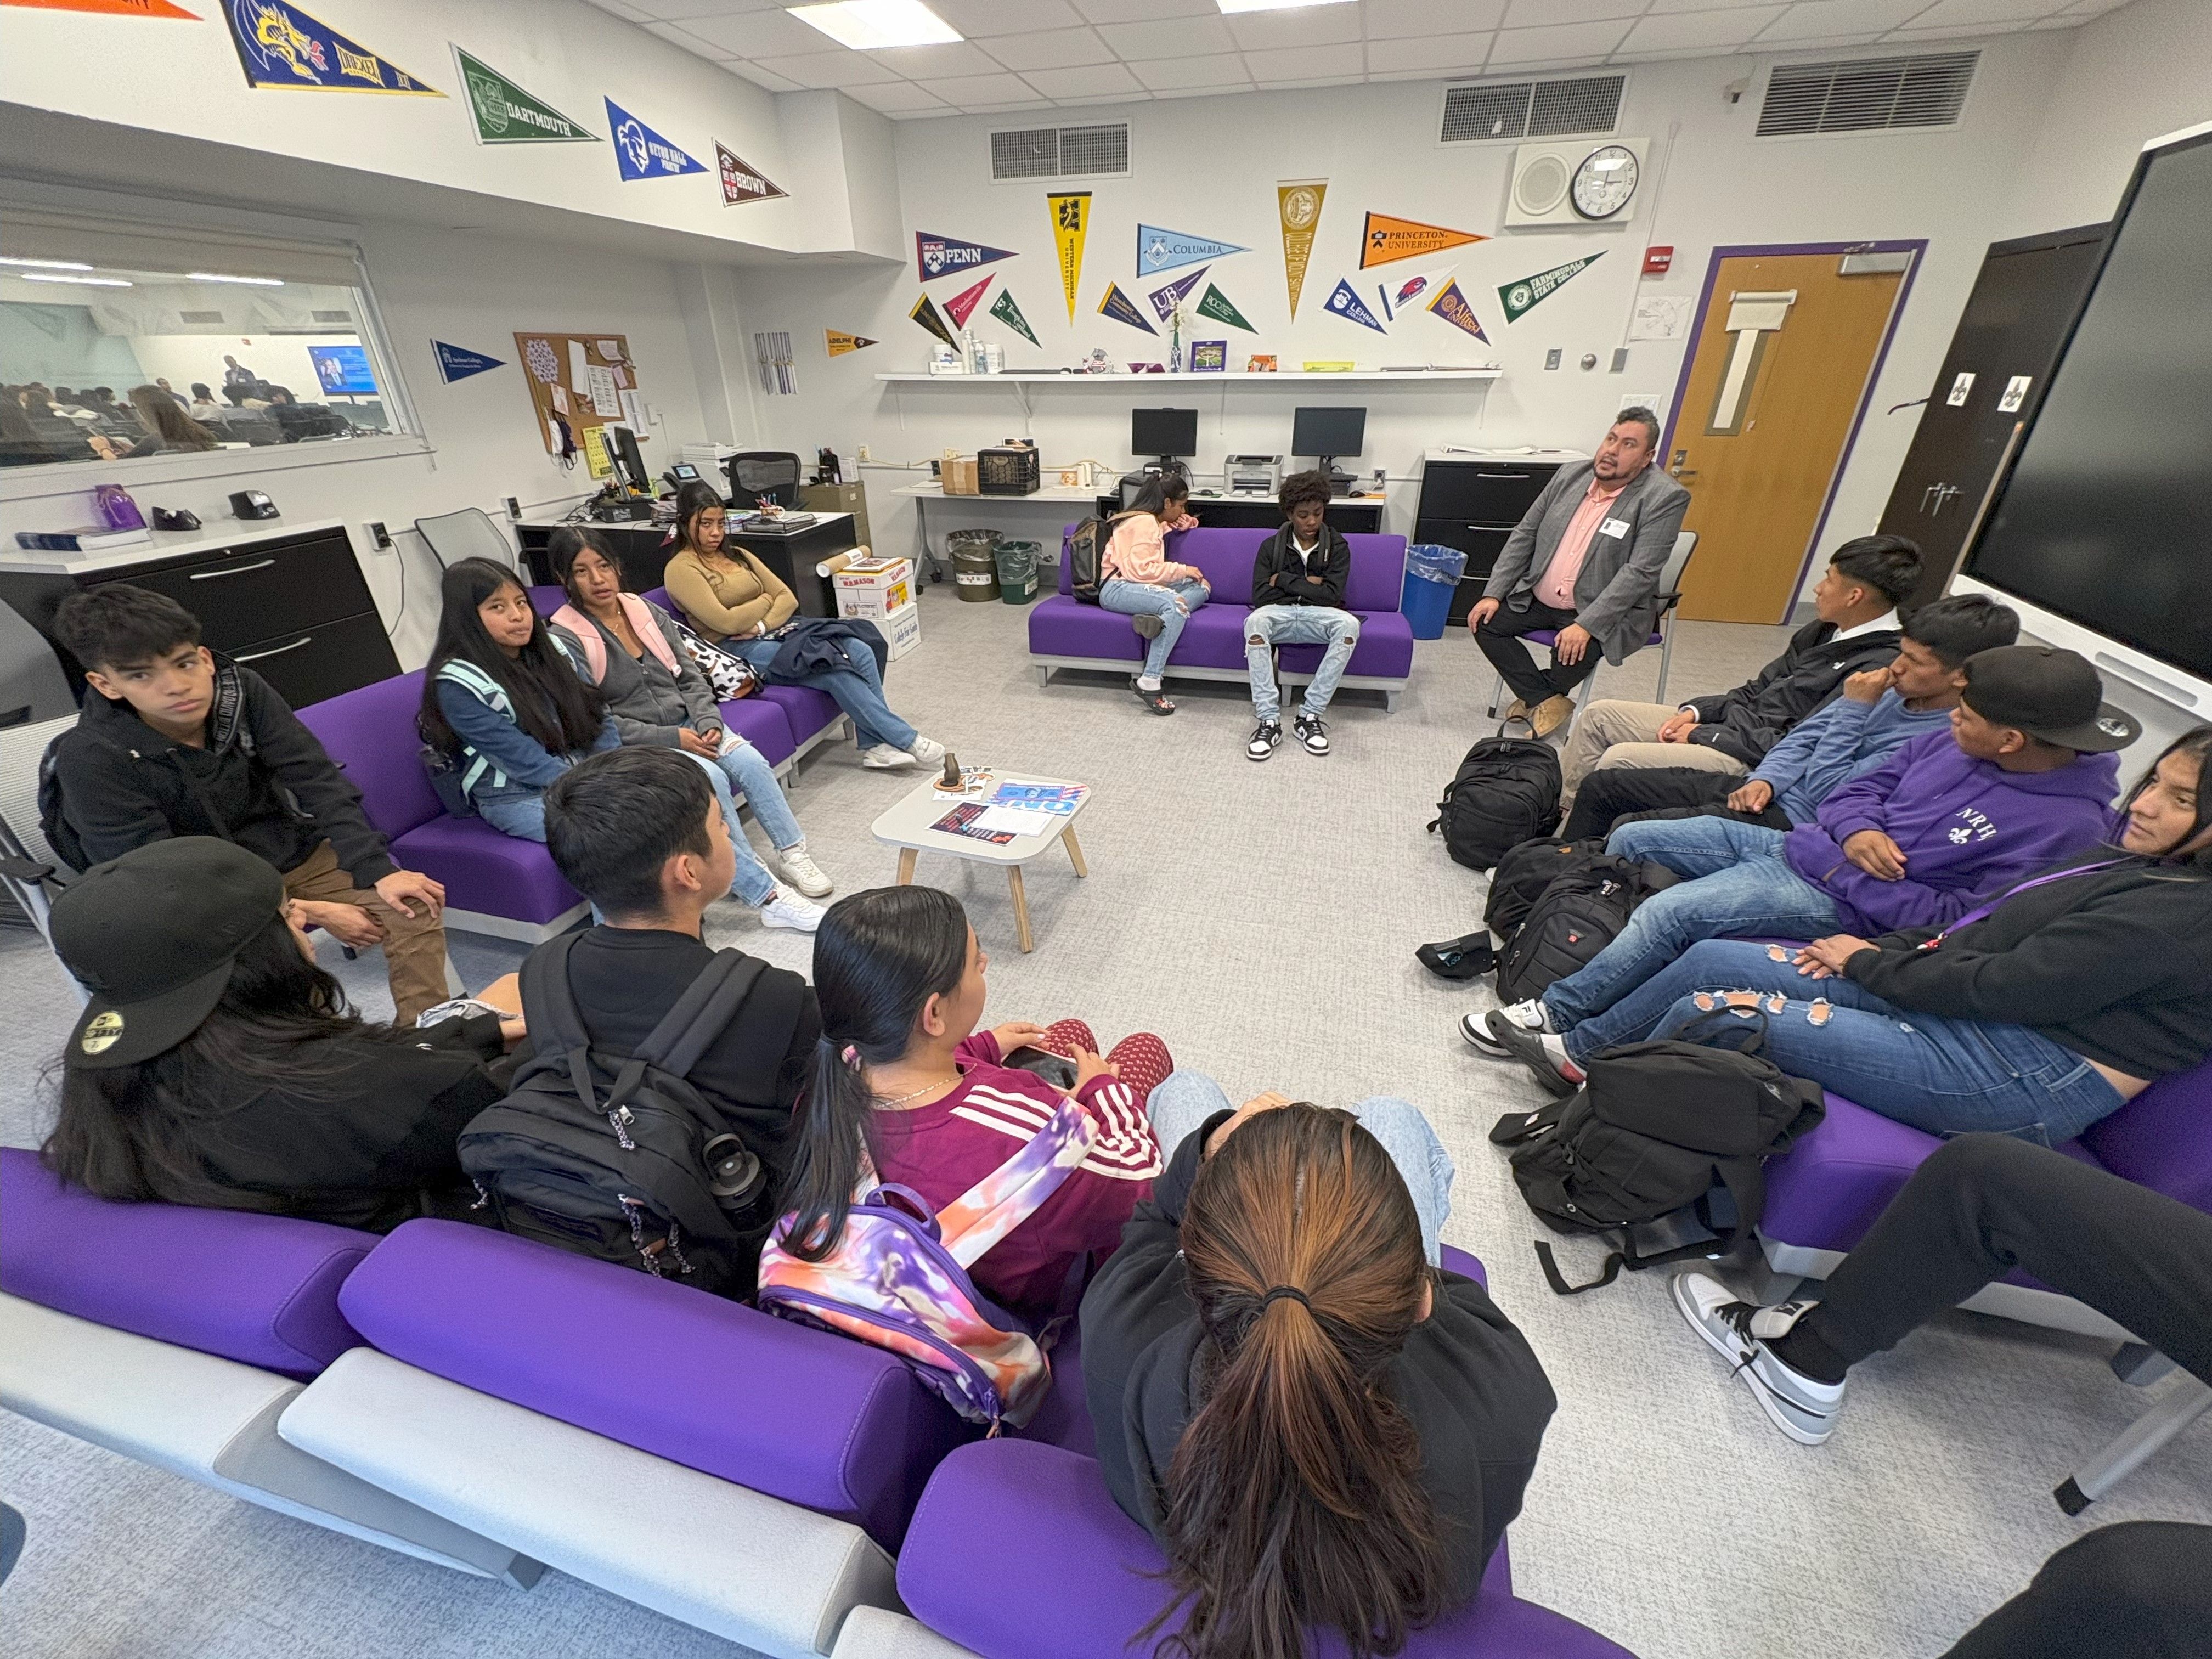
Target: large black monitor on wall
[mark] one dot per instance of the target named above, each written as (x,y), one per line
(1169,434)
(1329,434)
(2105,520)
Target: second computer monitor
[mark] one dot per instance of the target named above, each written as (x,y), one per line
(1167,432)
(1329,434)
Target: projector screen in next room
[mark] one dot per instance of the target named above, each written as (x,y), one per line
(2107,518)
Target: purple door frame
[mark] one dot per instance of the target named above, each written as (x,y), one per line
(1917,248)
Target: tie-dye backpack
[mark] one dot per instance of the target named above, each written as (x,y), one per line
(898,1277)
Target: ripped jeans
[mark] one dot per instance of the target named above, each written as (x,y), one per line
(1172,603)
(1271,625)
(1943,1076)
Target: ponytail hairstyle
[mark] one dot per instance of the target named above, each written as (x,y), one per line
(550,701)
(1159,489)
(1291,1502)
(878,957)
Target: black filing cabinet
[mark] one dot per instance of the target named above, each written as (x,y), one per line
(1472,502)
(295,608)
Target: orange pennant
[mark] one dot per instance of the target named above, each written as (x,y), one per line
(1386,239)
(110,8)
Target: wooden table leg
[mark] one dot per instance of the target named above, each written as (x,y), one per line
(1021,907)
(907,856)
(1075,851)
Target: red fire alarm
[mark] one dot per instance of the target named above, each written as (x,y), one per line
(1657,261)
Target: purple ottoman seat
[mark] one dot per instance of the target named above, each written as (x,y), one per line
(761,723)
(262,1290)
(822,1421)
(808,710)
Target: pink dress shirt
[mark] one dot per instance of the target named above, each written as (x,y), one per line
(1557,589)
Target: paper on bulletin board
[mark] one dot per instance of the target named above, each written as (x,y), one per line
(633,413)
(622,377)
(1660,317)
(611,350)
(579,366)
(596,456)
(606,397)
(560,399)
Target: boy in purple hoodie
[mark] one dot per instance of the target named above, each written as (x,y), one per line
(1947,815)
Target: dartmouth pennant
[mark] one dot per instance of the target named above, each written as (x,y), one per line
(1216,305)
(280,46)
(1008,313)
(1117,304)
(1518,297)
(943,256)
(505,114)
(1346,304)
(1161,250)
(642,153)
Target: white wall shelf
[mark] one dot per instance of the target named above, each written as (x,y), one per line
(1031,377)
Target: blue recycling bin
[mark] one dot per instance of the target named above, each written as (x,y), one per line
(1431,574)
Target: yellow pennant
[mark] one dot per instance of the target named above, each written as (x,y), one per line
(1298,202)
(1071,223)
(840,343)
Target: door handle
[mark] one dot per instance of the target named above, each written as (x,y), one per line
(234,570)
(273,651)
(1925,493)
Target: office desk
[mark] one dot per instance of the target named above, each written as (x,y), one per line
(1348,514)
(642,551)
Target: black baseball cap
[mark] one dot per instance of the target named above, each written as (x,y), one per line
(2050,693)
(152,936)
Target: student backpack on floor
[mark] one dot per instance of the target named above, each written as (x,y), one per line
(1526,871)
(898,1276)
(1581,911)
(1505,792)
(1661,1131)
(1087,555)
(624,1159)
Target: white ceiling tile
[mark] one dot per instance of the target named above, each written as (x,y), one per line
(1317,26)
(1049,49)
(1396,19)
(969,90)
(1023,107)
(1627,55)
(935,63)
(677,10)
(1678,31)
(1821,20)
(1225,72)
(1963,32)
(1660,6)
(1144,11)
(1117,98)
(766,80)
(1175,37)
(1953,13)
(1096,79)
(1563,41)
(1820,42)
(676,35)
(977,18)
(898,98)
(1296,65)
(1204,92)
(1440,54)
(629,13)
(1318,81)
(763,34)
(828,69)
(1545,14)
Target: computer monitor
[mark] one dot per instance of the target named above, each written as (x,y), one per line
(1327,434)
(629,460)
(1166,433)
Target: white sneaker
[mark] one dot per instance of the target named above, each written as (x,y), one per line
(801,871)
(1529,1016)
(928,751)
(1739,1332)
(789,910)
(883,758)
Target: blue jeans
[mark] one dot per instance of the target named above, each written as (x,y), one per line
(1946,1077)
(858,688)
(749,774)
(1297,624)
(520,815)
(1172,603)
(1185,1099)
(1739,883)
(752,883)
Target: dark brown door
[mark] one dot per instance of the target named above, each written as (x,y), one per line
(2022,305)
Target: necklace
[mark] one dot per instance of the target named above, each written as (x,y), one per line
(887,1100)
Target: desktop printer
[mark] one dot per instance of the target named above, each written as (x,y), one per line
(1252,474)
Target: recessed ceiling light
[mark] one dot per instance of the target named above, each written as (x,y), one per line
(218,277)
(86,281)
(872,25)
(46,264)
(1232,7)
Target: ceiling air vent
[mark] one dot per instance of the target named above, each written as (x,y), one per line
(1060,152)
(1532,109)
(332,316)
(1867,95)
(201,317)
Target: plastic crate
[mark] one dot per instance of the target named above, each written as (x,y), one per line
(1008,470)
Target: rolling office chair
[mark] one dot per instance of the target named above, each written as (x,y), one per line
(30,874)
(467,534)
(1662,625)
(773,473)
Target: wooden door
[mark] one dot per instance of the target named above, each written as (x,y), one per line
(1784,352)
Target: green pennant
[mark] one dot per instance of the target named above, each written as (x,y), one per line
(1518,297)
(1008,313)
(505,114)
(1216,305)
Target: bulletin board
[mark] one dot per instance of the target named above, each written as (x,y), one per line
(585,381)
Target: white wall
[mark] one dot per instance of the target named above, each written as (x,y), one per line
(1208,168)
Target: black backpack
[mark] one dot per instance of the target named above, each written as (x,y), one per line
(623,1159)
(1526,871)
(1665,1134)
(1086,554)
(1505,792)
(1581,911)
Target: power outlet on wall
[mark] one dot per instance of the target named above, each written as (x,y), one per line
(865,454)
(378,537)
(1552,358)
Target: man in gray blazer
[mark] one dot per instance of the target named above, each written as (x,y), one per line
(1584,562)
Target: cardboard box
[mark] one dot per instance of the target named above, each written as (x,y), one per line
(874,575)
(901,629)
(959,477)
(874,602)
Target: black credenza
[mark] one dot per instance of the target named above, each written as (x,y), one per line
(291,605)
(1472,502)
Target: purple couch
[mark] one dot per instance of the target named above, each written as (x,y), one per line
(1064,634)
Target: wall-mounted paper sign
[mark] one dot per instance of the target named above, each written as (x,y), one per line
(2016,394)
(1959,389)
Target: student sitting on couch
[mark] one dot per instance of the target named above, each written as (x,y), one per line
(1138,579)
(1297,599)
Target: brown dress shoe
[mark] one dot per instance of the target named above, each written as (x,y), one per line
(1551,714)
(1519,711)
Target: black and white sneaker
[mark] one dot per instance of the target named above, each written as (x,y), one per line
(1265,736)
(1739,1332)
(1529,1016)
(1312,733)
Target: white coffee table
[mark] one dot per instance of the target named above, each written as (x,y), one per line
(907,827)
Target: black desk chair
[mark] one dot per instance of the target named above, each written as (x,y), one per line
(772,473)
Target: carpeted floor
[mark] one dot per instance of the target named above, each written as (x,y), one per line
(1262,920)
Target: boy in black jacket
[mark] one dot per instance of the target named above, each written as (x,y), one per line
(178,742)
(1297,599)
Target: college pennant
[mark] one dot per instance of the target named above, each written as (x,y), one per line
(1165,299)
(1346,304)
(1071,223)
(840,343)
(505,114)
(944,256)
(1117,306)
(109,7)
(1386,239)
(458,362)
(1008,313)
(642,153)
(741,183)
(1297,204)
(1161,250)
(280,46)
(1452,306)
(1216,305)
(1399,292)
(1518,297)
(925,313)
(966,301)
